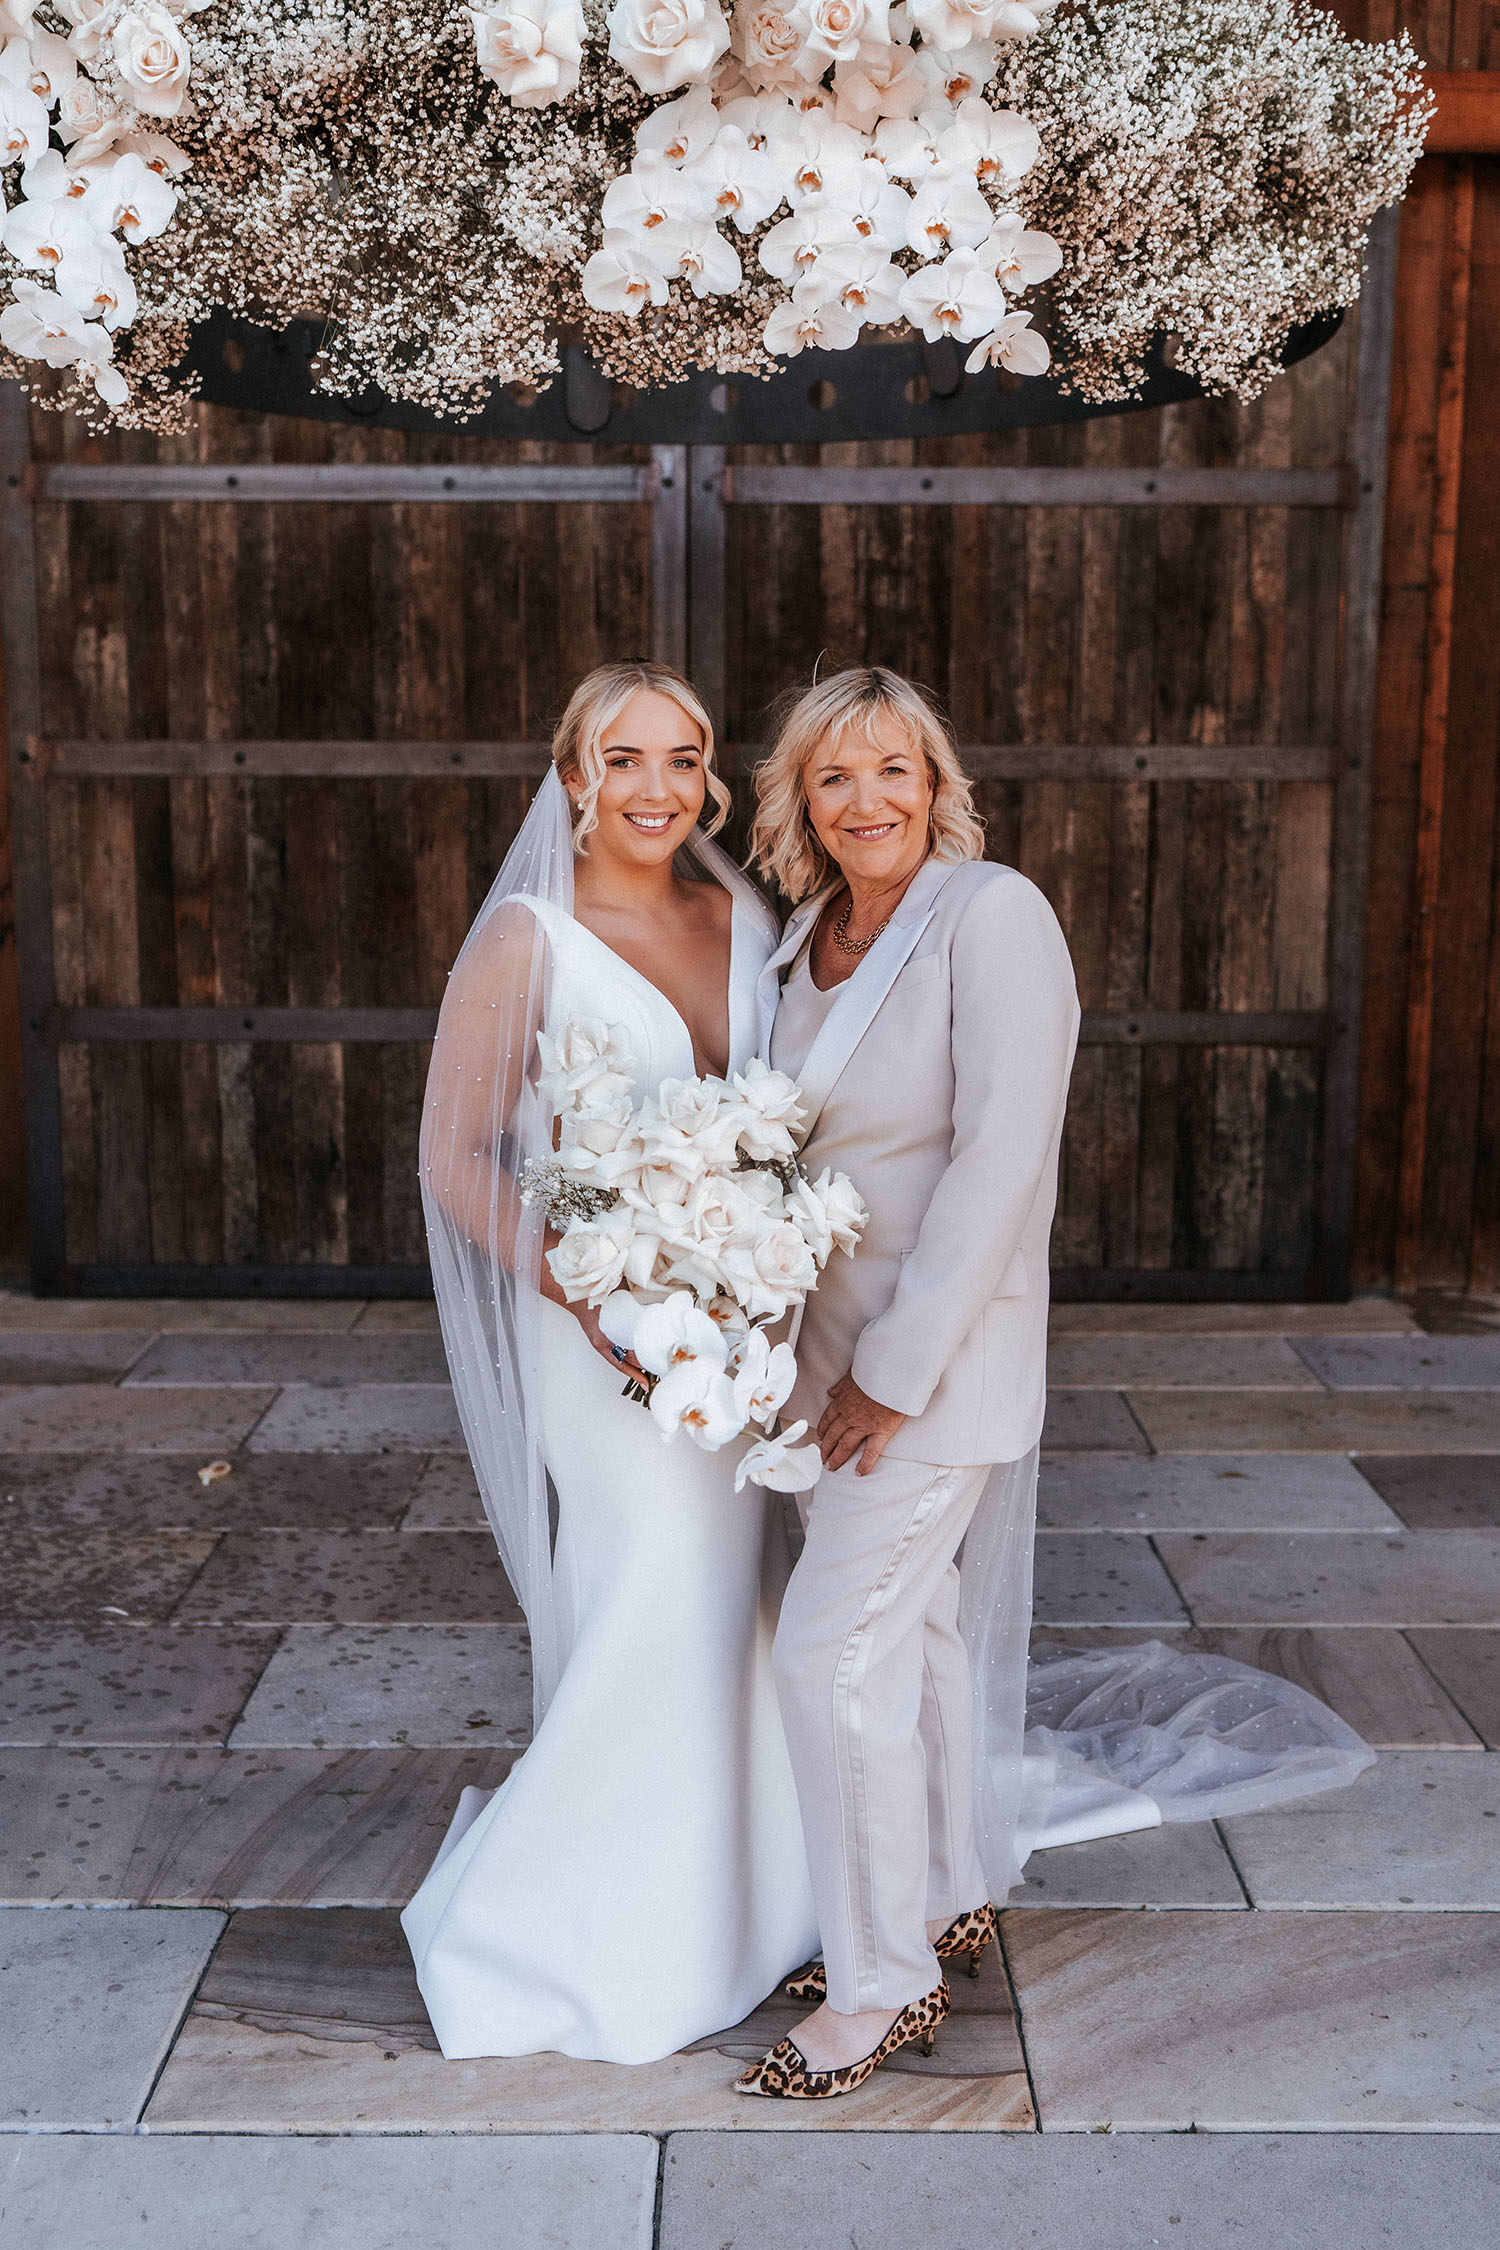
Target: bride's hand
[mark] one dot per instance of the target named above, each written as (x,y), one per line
(623,1362)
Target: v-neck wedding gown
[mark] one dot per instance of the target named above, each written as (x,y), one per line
(640,1879)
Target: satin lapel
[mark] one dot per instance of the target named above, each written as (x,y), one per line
(768,985)
(859,1000)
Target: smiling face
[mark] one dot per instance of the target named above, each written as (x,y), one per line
(653,788)
(869,796)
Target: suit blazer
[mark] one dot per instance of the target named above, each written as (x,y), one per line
(938,1082)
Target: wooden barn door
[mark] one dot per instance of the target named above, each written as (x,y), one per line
(277,695)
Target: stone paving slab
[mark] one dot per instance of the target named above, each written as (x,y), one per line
(1083,2192)
(126,1684)
(306,2016)
(371,1418)
(1181,1865)
(1419,1828)
(1103,1578)
(91,2002)
(1236,2023)
(1403,1363)
(1369,1674)
(150,1492)
(1336,1577)
(353,1578)
(1362,1316)
(208,1827)
(1209,1492)
(446,1497)
(1467,1662)
(165,1315)
(1320,1422)
(1438,1491)
(1090,1422)
(384,1685)
(374,2193)
(399,1316)
(92,1418)
(67,1355)
(99,1574)
(328,1361)
(1129,1363)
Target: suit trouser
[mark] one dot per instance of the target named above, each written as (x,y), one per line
(875,1693)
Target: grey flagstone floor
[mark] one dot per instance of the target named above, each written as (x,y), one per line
(237,1713)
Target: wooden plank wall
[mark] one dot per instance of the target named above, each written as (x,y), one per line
(1099,625)
(1429,1143)
(204,620)
(12,1112)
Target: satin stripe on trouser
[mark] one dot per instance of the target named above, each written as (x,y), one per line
(876,1701)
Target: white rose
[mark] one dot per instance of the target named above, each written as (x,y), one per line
(840,30)
(531,49)
(772,1272)
(85,112)
(843,1207)
(588,1064)
(152,58)
(665,44)
(84,16)
(590,1259)
(771,1103)
(804,1207)
(769,46)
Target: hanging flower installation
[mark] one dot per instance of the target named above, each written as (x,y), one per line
(451,189)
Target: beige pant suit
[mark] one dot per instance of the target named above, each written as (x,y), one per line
(936,1077)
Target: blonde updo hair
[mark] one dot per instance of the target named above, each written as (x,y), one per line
(593,707)
(784,842)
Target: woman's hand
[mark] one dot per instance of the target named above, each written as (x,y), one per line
(624,1363)
(852,1420)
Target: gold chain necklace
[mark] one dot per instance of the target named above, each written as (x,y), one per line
(841,937)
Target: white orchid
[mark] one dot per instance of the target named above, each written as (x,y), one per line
(957,78)
(24,124)
(56,178)
(842,30)
(151,55)
(1000,144)
(1021,19)
(85,16)
(695,249)
(42,63)
(15,17)
(1015,344)
(1019,257)
(130,196)
(823,159)
(40,325)
(911,148)
(699,1398)
(952,25)
(791,250)
(665,44)
(651,193)
(764,119)
(947,213)
(866,282)
(681,129)
(96,279)
(741,182)
(41,235)
(768,45)
(957,298)
(531,49)
(780,1464)
(157,152)
(671,1334)
(888,83)
(879,209)
(764,1377)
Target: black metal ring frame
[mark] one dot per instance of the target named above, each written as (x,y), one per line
(884,390)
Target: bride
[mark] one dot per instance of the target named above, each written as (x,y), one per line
(640,1879)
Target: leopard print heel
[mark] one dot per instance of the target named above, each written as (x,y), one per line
(784,2074)
(969,1933)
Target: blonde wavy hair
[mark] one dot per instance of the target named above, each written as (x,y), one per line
(593,707)
(784,843)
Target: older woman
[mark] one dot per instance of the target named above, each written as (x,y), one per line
(925,1001)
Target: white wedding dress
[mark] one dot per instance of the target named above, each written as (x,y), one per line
(640,1879)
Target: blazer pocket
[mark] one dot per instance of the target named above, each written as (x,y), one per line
(927,970)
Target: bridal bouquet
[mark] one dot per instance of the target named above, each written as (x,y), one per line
(688,1223)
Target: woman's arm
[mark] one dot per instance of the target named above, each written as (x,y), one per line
(1015,1022)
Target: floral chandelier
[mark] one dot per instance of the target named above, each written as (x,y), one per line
(454,191)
